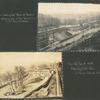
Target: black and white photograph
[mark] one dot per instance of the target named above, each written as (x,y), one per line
(68,26)
(30,75)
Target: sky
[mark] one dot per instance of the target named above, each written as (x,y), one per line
(9,60)
(67,8)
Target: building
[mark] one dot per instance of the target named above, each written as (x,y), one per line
(39,73)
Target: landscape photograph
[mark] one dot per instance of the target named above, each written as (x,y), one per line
(30,75)
(68,26)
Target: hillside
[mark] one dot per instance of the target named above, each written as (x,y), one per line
(92,43)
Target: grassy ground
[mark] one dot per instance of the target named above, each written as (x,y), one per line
(52,86)
(24,87)
(48,91)
(29,90)
(92,43)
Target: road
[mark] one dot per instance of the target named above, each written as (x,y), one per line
(75,43)
(71,41)
(78,36)
(51,31)
(30,88)
(78,39)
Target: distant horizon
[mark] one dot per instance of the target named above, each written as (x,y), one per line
(9,60)
(26,66)
(70,13)
(68,8)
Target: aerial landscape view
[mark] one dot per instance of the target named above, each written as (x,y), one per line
(68,26)
(30,75)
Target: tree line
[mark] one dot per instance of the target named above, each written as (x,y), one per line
(14,79)
(47,20)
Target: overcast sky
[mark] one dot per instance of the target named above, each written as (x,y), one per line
(67,8)
(9,60)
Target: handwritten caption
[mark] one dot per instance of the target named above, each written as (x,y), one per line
(83,67)
(17,17)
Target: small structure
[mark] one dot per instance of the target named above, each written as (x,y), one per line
(39,73)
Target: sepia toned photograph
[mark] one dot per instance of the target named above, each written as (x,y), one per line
(30,75)
(68,26)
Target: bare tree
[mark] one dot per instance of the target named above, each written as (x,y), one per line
(47,20)
(22,73)
(18,75)
(9,77)
(1,80)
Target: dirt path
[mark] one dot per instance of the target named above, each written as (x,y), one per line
(30,88)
